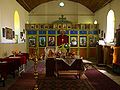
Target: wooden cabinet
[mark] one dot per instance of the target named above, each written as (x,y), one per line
(108,55)
(100,55)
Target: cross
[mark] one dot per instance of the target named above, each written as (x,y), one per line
(62,18)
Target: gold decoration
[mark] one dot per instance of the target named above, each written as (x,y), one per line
(35,59)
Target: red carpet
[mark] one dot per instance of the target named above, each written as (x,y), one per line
(95,79)
(101,81)
(52,83)
(25,82)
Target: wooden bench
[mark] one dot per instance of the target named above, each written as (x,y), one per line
(70,72)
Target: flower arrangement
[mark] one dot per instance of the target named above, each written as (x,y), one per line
(14,52)
(67,47)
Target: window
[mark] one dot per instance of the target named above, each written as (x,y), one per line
(16,23)
(110,27)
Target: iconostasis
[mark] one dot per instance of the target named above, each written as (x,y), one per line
(81,38)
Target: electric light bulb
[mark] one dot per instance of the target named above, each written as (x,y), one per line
(61,4)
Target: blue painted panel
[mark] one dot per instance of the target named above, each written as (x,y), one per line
(42,32)
(83,32)
(73,32)
(51,32)
(90,32)
(95,32)
(67,32)
(32,32)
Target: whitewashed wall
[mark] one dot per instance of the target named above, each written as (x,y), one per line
(51,11)
(101,15)
(7,9)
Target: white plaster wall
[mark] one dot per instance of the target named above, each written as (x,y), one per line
(7,9)
(50,11)
(8,48)
(101,15)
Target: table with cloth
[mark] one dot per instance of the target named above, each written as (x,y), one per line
(10,65)
(56,66)
(69,66)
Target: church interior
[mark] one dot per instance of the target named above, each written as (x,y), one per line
(44,43)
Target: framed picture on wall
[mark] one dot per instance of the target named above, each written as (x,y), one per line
(51,40)
(9,33)
(32,41)
(42,41)
(73,41)
(21,35)
(3,32)
(83,41)
(13,34)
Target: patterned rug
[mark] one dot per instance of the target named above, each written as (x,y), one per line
(92,80)
(52,83)
(40,67)
(27,82)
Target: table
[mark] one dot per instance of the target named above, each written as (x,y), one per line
(10,64)
(53,66)
(75,68)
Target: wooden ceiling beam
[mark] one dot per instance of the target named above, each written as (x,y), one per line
(93,5)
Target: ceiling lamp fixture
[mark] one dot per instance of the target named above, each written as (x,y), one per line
(95,22)
(61,4)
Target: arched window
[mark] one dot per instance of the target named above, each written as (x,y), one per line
(110,27)
(16,23)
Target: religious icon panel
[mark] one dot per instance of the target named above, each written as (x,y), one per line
(32,41)
(83,41)
(74,41)
(51,40)
(42,41)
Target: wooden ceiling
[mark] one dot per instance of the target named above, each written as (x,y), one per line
(93,5)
